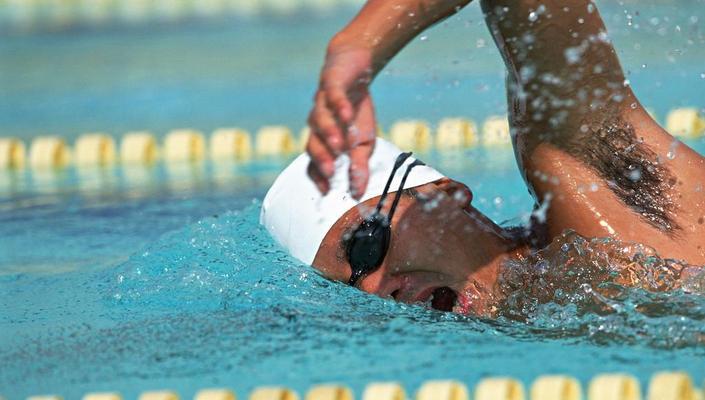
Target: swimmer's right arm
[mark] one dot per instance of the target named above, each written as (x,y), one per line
(342,118)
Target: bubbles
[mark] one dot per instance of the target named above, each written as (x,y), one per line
(672,150)
(634,175)
(534,14)
(572,55)
(615,292)
(527,72)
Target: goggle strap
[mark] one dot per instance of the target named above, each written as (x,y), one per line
(401,158)
(397,196)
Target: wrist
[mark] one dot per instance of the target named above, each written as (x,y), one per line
(361,43)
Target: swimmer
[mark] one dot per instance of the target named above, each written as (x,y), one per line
(592,157)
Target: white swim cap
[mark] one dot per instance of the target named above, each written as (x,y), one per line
(299,217)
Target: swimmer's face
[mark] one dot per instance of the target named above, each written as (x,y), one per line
(443,251)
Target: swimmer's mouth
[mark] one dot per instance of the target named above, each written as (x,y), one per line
(442,298)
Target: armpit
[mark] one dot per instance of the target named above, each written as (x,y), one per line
(630,168)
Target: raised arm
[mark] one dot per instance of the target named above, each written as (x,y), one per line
(342,118)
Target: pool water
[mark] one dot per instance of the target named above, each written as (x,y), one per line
(168,281)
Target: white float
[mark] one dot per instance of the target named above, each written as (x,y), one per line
(274,141)
(685,122)
(499,389)
(215,394)
(329,392)
(411,135)
(102,396)
(614,387)
(671,386)
(495,131)
(139,147)
(159,395)
(94,149)
(230,144)
(442,390)
(556,387)
(12,153)
(384,391)
(456,133)
(273,393)
(184,145)
(48,152)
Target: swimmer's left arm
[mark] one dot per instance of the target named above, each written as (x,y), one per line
(342,118)
(384,27)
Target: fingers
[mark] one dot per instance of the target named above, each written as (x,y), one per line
(361,141)
(337,99)
(359,168)
(324,125)
(318,179)
(321,156)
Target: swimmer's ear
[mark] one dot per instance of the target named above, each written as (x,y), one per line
(457,191)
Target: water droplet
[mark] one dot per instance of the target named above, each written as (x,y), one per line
(672,150)
(533,16)
(572,54)
(634,175)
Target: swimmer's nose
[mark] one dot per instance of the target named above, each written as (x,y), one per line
(380,283)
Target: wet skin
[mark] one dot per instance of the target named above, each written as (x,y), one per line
(439,240)
(578,131)
(558,126)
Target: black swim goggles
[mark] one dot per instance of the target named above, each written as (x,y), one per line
(369,243)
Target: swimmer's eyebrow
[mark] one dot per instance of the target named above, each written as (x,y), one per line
(630,168)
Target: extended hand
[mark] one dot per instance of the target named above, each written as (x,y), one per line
(342,118)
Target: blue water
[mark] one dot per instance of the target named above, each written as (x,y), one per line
(264,71)
(136,280)
(95,296)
